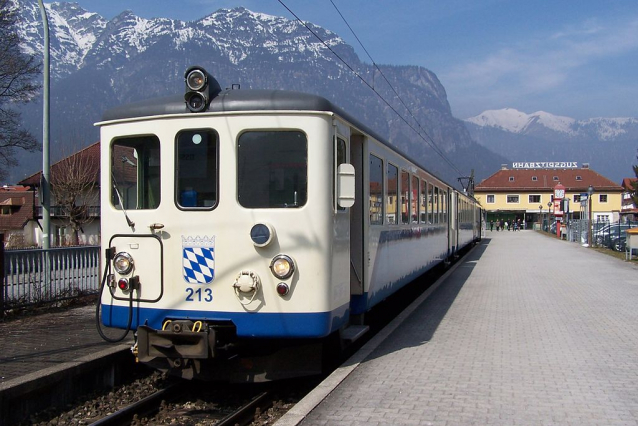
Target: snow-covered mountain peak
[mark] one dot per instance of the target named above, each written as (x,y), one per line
(544,124)
(512,120)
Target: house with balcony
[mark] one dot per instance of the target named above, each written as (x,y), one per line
(75,199)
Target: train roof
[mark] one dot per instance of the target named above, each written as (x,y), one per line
(228,101)
(247,100)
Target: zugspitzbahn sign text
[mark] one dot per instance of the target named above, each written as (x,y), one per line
(546,165)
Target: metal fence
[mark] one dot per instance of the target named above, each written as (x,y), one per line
(611,235)
(44,276)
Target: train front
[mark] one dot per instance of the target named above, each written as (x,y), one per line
(218,234)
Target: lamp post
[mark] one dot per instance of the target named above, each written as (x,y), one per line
(549,214)
(590,224)
(540,217)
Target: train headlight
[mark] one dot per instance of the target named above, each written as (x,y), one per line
(196,79)
(282,266)
(201,88)
(123,263)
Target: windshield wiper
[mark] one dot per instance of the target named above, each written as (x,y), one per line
(119,197)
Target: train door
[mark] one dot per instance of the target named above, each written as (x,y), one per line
(356,218)
(341,241)
(452,222)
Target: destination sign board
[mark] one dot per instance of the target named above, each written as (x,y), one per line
(545,165)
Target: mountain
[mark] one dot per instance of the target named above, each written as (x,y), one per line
(98,64)
(609,145)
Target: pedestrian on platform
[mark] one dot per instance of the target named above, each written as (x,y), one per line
(491,225)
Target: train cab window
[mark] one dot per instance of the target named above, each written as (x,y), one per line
(405,197)
(376,190)
(393,190)
(135,170)
(196,169)
(414,200)
(272,169)
(424,200)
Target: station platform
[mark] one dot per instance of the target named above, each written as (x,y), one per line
(525,330)
(34,345)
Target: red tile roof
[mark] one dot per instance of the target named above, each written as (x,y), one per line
(20,208)
(574,180)
(628,183)
(91,153)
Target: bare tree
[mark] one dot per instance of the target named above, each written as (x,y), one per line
(75,189)
(17,75)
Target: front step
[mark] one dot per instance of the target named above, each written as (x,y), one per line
(353,332)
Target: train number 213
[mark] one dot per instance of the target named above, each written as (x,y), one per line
(199,295)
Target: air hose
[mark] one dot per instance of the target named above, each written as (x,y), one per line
(107,269)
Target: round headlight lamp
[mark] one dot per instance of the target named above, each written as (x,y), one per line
(282,266)
(196,79)
(123,263)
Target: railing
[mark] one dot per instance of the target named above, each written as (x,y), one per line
(603,234)
(27,280)
(62,211)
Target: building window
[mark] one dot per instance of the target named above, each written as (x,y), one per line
(511,178)
(534,178)
(512,199)
(579,178)
(556,178)
(576,198)
(602,198)
(534,198)
(490,199)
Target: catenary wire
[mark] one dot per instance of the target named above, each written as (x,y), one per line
(430,142)
(434,145)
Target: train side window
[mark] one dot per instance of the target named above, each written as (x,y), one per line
(430,204)
(196,169)
(444,197)
(272,169)
(393,186)
(436,204)
(414,199)
(424,200)
(135,170)
(376,190)
(405,197)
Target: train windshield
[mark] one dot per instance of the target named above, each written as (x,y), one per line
(272,169)
(135,171)
(196,169)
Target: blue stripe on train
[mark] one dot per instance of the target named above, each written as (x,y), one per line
(248,324)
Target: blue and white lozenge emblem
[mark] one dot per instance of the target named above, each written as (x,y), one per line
(198,259)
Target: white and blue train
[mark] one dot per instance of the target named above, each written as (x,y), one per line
(244,229)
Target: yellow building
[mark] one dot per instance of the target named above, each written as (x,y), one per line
(526,192)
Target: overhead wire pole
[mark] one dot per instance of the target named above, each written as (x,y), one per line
(45,201)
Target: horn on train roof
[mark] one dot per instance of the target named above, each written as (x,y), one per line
(201,88)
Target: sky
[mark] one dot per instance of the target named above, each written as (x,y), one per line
(575,58)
